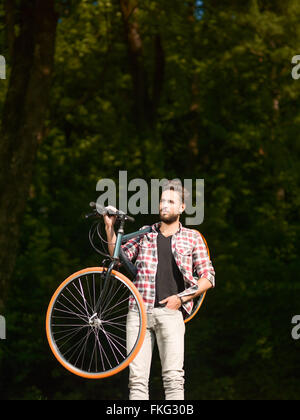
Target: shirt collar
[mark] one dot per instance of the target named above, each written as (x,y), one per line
(157,225)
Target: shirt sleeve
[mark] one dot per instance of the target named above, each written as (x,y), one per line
(131,248)
(202,264)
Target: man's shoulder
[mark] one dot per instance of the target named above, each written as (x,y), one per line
(191,234)
(150,233)
(151,228)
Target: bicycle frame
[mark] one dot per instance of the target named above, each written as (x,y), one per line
(119,254)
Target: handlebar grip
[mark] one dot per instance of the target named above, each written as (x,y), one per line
(87,216)
(103,210)
(130,219)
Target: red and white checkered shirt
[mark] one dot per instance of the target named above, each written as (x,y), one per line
(191,256)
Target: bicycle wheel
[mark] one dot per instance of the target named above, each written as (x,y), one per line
(199,300)
(197,305)
(86,323)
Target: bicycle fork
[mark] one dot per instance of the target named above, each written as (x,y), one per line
(95,318)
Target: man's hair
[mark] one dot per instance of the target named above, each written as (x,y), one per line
(176,185)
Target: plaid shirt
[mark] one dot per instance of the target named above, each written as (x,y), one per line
(191,256)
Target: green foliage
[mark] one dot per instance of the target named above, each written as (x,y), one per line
(229,114)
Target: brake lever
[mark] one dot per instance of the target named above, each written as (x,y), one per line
(95,213)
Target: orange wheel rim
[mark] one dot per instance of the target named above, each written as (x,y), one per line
(204,294)
(133,354)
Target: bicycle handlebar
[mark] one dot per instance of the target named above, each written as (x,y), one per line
(101,210)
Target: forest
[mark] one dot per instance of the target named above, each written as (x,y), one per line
(184,89)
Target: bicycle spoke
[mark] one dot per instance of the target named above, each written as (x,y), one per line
(116,337)
(83,350)
(83,297)
(73,332)
(118,317)
(82,306)
(89,293)
(65,317)
(117,304)
(82,317)
(73,304)
(107,302)
(105,296)
(76,345)
(110,342)
(116,325)
(101,348)
(110,308)
(91,360)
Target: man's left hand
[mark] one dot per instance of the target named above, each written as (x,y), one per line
(172,302)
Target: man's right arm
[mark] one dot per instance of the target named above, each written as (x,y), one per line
(131,248)
(111,239)
(110,221)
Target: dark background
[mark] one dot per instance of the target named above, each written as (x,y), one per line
(161,89)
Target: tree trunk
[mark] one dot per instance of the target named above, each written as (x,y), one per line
(32,58)
(146,97)
(145,105)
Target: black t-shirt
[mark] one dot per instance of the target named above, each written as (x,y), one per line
(169,279)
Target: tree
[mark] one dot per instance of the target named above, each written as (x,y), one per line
(145,106)
(31,29)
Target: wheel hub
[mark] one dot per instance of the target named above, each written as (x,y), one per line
(95,321)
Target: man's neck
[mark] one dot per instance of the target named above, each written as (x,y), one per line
(168,230)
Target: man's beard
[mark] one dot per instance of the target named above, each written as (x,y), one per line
(169,219)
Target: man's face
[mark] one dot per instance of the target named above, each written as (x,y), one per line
(170,206)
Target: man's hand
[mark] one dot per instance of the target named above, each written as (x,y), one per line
(172,302)
(110,220)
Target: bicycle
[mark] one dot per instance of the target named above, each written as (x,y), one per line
(86,317)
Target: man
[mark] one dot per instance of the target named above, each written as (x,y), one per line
(166,259)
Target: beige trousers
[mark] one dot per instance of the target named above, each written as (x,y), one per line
(168,328)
